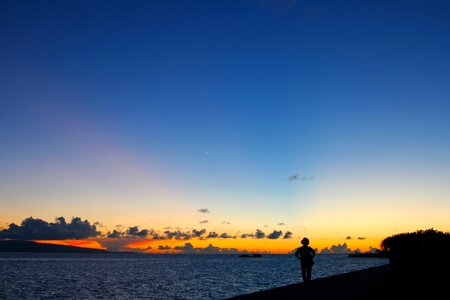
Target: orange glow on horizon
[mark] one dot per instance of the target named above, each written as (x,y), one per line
(75,243)
(250,245)
(265,245)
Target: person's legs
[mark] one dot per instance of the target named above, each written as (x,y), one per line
(304,273)
(308,274)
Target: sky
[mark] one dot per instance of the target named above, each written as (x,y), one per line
(259,121)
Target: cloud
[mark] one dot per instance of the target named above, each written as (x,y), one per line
(115,244)
(120,237)
(98,224)
(204,221)
(174,234)
(373,250)
(226,236)
(225,222)
(210,249)
(326,251)
(115,234)
(361,238)
(274,235)
(204,210)
(178,235)
(293,177)
(230,251)
(212,235)
(336,249)
(340,248)
(247,235)
(287,235)
(37,229)
(302,178)
(187,248)
(259,234)
(281,224)
(198,233)
(119,240)
(185,235)
(135,232)
(348,237)
(156,236)
(165,247)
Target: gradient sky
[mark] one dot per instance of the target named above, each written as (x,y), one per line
(139,113)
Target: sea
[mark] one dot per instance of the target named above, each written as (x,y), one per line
(176,276)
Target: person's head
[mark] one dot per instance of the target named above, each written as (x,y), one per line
(305,242)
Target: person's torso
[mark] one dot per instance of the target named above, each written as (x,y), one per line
(305,253)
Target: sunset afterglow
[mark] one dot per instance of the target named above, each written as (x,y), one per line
(201,128)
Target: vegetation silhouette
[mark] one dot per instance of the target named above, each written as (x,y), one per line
(306,254)
(420,260)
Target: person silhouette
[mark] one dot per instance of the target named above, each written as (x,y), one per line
(306,254)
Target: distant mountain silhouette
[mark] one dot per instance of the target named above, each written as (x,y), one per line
(30,246)
(248,255)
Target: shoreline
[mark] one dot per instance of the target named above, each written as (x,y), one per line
(372,283)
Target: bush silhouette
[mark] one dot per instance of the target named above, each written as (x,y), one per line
(420,257)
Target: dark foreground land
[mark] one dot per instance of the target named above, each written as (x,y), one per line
(373,283)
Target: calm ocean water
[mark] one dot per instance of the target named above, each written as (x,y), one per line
(112,276)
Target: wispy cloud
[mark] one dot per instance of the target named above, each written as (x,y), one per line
(298,177)
(204,210)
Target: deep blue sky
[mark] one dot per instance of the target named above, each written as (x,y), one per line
(351,90)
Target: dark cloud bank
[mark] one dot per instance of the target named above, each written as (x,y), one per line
(37,229)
